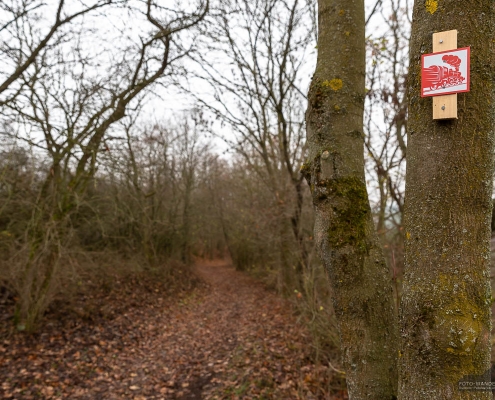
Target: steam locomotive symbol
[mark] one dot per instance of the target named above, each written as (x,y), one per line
(438,76)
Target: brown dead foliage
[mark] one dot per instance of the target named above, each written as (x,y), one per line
(228,338)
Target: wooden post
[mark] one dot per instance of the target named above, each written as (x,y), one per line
(445,107)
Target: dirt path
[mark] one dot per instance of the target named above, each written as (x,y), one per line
(227,339)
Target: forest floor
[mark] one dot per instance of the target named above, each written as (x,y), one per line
(228,338)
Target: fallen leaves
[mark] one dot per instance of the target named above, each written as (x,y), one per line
(227,339)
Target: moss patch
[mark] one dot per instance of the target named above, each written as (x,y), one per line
(305,170)
(351,207)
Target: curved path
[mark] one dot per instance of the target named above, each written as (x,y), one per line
(229,338)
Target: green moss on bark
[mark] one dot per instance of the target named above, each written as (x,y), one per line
(351,212)
(344,231)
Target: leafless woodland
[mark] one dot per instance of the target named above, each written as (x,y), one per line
(138,137)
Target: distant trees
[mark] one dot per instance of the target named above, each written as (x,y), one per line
(385,118)
(159,194)
(258,96)
(152,178)
(148,191)
(385,123)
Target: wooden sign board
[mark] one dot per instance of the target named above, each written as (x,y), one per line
(445,105)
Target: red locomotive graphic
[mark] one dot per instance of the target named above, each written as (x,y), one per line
(438,76)
(445,72)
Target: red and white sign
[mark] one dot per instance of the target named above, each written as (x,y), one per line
(446,72)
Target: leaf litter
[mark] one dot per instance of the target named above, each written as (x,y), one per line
(228,338)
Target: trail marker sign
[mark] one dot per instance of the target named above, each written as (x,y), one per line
(445,73)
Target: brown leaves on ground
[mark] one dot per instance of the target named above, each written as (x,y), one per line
(227,339)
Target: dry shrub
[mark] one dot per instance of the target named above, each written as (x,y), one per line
(316,312)
(83,285)
(316,308)
(35,272)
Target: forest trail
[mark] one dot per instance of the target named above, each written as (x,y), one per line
(229,338)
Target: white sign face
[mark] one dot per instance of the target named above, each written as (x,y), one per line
(445,73)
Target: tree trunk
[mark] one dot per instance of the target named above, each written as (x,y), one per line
(288,277)
(47,234)
(186,220)
(445,308)
(296,220)
(344,228)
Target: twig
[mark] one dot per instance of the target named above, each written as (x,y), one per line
(335,369)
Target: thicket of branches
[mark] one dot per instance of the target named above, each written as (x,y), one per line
(70,72)
(90,185)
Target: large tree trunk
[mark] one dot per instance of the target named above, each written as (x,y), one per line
(445,307)
(344,229)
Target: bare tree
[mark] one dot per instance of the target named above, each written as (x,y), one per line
(385,123)
(258,98)
(386,110)
(23,39)
(70,96)
(154,180)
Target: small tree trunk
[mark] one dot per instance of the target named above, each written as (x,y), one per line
(40,258)
(288,280)
(445,307)
(344,228)
(296,220)
(186,223)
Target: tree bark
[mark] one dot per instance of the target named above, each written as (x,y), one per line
(445,308)
(344,229)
